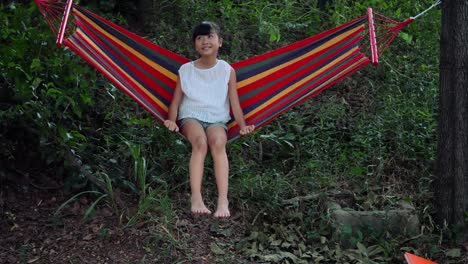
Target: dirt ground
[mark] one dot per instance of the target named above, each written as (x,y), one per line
(30,233)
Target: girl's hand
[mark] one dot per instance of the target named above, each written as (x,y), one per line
(171,125)
(246,130)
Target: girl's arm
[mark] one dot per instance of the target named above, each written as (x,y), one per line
(235,105)
(170,123)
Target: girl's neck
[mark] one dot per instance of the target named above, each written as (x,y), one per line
(206,62)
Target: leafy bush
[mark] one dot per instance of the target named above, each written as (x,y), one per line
(46,94)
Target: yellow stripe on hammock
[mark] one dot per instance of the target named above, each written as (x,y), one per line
(90,42)
(299,83)
(327,44)
(154,65)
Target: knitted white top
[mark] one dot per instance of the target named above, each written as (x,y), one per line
(205,92)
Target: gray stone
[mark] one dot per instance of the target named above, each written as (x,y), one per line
(348,223)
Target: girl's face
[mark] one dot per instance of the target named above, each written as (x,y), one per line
(208,45)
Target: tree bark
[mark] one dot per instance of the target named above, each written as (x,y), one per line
(451,185)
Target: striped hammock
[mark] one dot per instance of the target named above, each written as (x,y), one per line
(268,84)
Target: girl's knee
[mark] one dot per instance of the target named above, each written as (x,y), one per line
(217,143)
(200,144)
(217,138)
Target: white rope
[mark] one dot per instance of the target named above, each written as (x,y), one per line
(425,11)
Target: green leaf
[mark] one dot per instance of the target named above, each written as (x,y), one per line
(362,249)
(286,245)
(92,206)
(86,99)
(54,93)
(226,232)
(276,243)
(406,37)
(216,249)
(253,235)
(357,171)
(374,250)
(272,258)
(323,240)
(36,64)
(72,199)
(289,255)
(453,253)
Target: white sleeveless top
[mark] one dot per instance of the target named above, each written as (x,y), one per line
(205,92)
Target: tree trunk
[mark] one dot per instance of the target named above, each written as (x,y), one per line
(451,185)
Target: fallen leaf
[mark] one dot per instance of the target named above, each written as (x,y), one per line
(253,235)
(276,243)
(323,240)
(88,237)
(226,232)
(272,258)
(289,255)
(453,253)
(182,223)
(216,249)
(33,260)
(286,245)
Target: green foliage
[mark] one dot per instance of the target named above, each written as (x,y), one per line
(140,169)
(89,211)
(46,94)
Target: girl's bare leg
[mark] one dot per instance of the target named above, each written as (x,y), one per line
(217,139)
(197,137)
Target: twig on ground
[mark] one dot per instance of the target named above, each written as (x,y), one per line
(314,196)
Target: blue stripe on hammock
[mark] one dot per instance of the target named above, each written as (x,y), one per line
(282,58)
(260,101)
(311,61)
(158,58)
(121,64)
(267,118)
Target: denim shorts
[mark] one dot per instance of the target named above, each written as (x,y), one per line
(204,124)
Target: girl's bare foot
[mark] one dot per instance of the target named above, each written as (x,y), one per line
(198,207)
(223,209)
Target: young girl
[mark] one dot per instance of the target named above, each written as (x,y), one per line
(205,91)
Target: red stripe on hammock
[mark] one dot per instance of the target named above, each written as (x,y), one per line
(143,99)
(272,113)
(304,72)
(258,83)
(69,44)
(119,74)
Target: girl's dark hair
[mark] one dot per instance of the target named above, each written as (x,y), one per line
(205,28)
